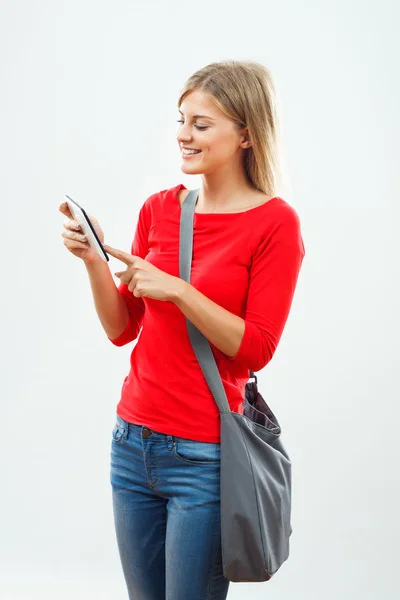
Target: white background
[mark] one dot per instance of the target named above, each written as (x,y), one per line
(88,107)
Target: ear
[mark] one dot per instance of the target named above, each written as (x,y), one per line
(245,143)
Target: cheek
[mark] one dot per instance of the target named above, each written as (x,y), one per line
(221,148)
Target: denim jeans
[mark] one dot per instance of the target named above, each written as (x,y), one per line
(166,502)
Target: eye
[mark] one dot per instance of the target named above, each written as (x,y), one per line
(200,127)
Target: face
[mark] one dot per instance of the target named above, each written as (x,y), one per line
(203,126)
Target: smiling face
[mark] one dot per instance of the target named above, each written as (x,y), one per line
(205,128)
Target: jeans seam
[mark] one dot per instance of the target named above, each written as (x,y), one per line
(211,574)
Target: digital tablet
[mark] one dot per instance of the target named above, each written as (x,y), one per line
(79,214)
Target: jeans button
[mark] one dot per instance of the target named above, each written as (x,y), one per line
(146,433)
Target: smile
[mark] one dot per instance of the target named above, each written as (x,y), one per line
(189,153)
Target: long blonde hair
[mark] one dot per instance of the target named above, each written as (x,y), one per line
(245,92)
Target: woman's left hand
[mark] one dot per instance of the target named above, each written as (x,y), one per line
(144,279)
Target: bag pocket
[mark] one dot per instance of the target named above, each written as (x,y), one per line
(197,453)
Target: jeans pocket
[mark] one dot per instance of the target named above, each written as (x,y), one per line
(120,429)
(197,453)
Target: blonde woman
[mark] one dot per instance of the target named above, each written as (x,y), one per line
(247,254)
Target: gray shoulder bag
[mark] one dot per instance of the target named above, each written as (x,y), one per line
(255,468)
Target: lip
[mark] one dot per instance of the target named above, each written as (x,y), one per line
(189,156)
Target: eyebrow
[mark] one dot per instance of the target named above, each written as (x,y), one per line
(199,116)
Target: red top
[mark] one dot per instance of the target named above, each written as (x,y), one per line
(247,262)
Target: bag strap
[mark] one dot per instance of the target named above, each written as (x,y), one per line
(201,345)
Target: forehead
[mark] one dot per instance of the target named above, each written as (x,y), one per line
(198,103)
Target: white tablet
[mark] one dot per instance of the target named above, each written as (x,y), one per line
(81,217)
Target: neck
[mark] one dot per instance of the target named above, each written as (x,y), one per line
(224,189)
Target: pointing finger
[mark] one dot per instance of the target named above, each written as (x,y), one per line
(120,255)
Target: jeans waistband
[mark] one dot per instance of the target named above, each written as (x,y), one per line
(144,431)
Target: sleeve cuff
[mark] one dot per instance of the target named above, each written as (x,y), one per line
(125,337)
(244,352)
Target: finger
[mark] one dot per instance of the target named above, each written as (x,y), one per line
(71,235)
(73,225)
(73,245)
(119,274)
(132,285)
(125,277)
(120,255)
(64,208)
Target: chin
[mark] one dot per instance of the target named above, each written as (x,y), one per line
(190,170)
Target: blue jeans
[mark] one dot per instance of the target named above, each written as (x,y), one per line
(166,502)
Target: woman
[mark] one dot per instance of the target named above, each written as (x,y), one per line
(247,254)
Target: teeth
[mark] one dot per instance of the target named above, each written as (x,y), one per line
(184,151)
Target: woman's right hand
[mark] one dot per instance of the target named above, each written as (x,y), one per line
(74,238)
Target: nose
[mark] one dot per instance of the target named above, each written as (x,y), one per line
(183,134)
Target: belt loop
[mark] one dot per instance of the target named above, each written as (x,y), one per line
(171,441)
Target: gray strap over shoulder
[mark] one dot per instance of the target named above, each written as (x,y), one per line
(200,343)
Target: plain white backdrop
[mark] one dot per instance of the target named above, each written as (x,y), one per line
(88,108)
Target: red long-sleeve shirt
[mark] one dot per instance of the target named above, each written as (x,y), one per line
(248,263)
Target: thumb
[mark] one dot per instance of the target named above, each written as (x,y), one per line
(64,209)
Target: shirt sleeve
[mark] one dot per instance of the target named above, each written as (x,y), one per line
(274,272)
(136,306)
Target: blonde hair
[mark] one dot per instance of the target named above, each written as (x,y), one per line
(245,92)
